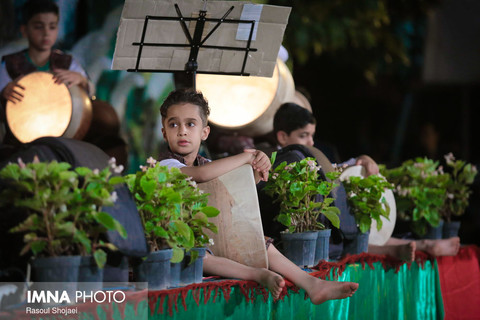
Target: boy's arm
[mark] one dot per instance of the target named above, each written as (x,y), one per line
(214,169)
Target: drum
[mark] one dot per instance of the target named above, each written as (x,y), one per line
(301,100)
(376,237)
(246,105)
(49,109)
(240,232)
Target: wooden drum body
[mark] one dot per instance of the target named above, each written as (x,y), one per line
(49,109)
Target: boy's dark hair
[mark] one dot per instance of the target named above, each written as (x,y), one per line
(33,7)
(290,117)
(182,96)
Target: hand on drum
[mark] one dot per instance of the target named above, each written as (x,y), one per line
(13,92)
(260,164)
(368,163)
(69,78)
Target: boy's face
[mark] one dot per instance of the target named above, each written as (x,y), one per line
(303,136)
(183,129)
(41,31)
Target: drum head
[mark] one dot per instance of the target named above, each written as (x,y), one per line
(240,232)
(45,110)
(246,105)
(376,237)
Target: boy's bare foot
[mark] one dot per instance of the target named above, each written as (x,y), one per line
(441,247)
(320,290)
(272,281)
(405,252)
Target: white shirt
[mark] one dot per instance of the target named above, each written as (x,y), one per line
(172,163)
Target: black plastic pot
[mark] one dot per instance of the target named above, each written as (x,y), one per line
(116,270)
(322,246)
(300,247)
(434,232)
(192,272)
(90,276)
(358,245)
(155,270)
(450,229)
(56,269)
(56,274)
(175,269)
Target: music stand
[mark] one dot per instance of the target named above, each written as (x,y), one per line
(138,62)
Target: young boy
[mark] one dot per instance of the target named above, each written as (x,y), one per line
(184,118)
(40,27)
(293,124)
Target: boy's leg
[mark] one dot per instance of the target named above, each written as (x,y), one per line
(404,251)
(317,289)
(435,247)
(439,247)
(227,268)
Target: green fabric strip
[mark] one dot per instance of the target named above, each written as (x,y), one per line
(383,294)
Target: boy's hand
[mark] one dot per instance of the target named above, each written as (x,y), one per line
(368,163)
(69,78)
(13,92)
(260,164)
(257,176)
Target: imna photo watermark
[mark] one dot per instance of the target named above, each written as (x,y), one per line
(72,300)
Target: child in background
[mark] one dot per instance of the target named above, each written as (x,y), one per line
(40,27)
(184,118)
(293,124)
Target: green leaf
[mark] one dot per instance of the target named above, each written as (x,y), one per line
(26,173)
(83,171)
(273,157)
(11,171)
(81,237)
(160,232)
(38,246)
(182,228)
(200,218)
(284,219)
(68,228)
(105,219)
(110,246)
(120,229)
(379,224)
(212,227)
(148,186)
(100,258)
(332,215)
(211,211)
(177,255)
(116,180)
(365,223)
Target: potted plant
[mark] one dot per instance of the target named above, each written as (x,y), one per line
(462,175)
(298,189)
(365,195)
(64,220)
(174,212)
(420,193)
